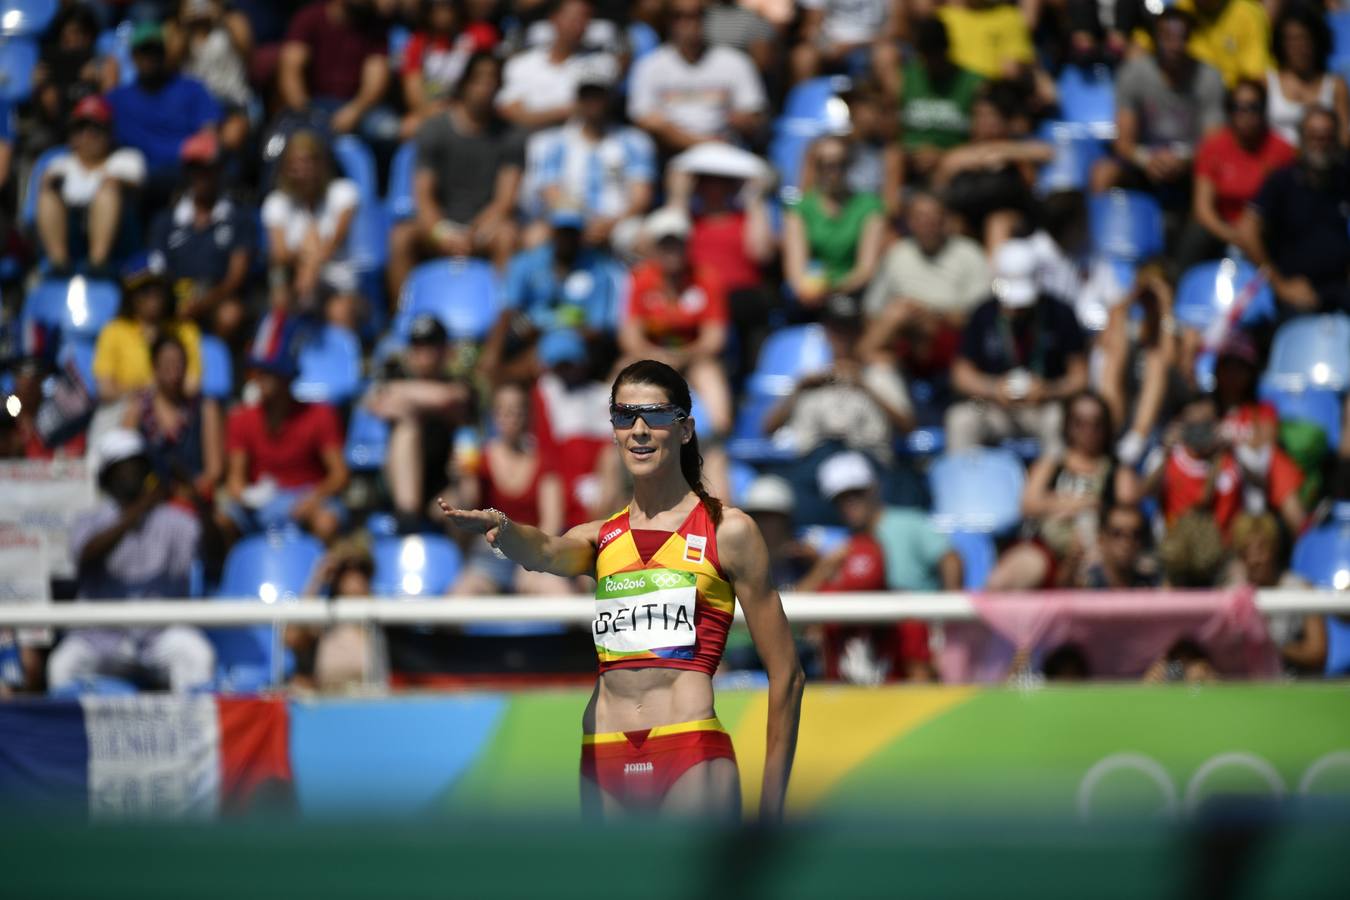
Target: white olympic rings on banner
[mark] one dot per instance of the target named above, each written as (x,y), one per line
(1172,805)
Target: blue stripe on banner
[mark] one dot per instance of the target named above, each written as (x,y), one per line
(385,757)
(44,754)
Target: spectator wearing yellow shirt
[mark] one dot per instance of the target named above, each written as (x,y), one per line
(122,355)
(988,37)
(1233,36)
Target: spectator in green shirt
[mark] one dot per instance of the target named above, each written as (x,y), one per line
(832,237)
(938,96)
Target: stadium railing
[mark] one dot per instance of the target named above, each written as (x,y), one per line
(801,608)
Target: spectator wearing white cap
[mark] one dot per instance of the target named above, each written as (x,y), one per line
(771,502)
(1022,353)
(677,313)
(891,548)
(133,546)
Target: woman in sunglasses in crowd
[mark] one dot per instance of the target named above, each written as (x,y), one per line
(669,569)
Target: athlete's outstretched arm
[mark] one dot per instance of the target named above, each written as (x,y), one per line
(568,555)
(745,559)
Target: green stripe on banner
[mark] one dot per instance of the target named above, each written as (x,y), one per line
(635,584)
(1112,750)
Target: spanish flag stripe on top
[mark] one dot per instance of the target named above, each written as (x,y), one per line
(648,614)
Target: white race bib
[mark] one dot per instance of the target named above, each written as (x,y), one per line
(645,610)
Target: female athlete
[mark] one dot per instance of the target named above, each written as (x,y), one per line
(668,572)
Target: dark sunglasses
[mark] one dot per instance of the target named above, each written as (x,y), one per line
(1133,534)
(656,415)
(1248,107)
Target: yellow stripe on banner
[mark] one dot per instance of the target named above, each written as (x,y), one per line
(841,728)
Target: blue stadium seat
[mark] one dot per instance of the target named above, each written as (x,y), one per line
(26,17)
(1322,556)
(741,475)
(787,152)
(1338,639)
(978,490)
(1340,42)
(330,367)
(273,568)
(785,356)
(1311,352)
(1087,97)
(1125,225)
(1207,291)
(462,293)
(76,307)
(1319,406)
(811,101)
(399,197)
(18,58)
(28,215)
(368,242)
(217,368)
(367,440)
(748,441)
(117,44)
(978,556)
(1076,150)
(417,565)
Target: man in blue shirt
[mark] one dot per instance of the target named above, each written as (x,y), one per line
(159,111)
(205,243)
(559,284)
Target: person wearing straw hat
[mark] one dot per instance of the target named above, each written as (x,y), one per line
(724,190)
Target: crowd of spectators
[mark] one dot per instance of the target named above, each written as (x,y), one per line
(619,169)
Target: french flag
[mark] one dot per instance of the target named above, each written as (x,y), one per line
(149,756)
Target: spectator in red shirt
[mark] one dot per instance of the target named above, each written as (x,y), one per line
(677,313)
(510,476)
(570,416)
(1250,428)
(284,458)
(435,58)
(725,189)
(1230,165)
(867,654)
(334,60)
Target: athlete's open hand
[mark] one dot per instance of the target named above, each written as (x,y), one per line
(478,521)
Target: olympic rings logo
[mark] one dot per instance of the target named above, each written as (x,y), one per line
(667,579)
(1189,801)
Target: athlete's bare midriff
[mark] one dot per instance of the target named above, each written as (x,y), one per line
(631,699)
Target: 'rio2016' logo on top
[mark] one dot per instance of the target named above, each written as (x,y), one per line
(613,583)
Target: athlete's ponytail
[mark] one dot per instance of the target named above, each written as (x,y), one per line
(658,374)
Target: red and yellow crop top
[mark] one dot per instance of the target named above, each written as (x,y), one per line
(661,599)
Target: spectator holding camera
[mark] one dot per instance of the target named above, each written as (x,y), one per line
(134,545)
(1022,353)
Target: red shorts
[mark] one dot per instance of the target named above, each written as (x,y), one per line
(638,767)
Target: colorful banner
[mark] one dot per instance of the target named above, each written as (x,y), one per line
(149,756)
(1084,752)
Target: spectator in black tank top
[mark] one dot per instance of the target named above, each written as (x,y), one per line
(1063,498)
